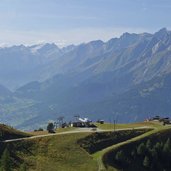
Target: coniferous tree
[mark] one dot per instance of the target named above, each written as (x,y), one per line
(120,156)
(155,162)
(167,146)
(148,144)
(154,154)
(166,152)
(141,149)
(6,161)
(50,127)
(159,147)
(133,154)
(146,162)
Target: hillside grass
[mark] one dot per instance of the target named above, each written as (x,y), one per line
(58,130)
(35,133)
(63,152)
(110,126)
(59,152)
(7,132)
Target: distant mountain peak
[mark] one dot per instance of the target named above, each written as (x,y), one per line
(127,35)
(41,45)
(44,46)
(162,33)
(50,45)
(68,48)
(164,29)
(96,43)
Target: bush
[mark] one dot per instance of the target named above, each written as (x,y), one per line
(40,129)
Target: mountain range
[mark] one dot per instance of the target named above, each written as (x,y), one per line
(127,78)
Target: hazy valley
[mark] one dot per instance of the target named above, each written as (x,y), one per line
(128,77)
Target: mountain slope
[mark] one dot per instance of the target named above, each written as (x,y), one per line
(127,76)
(21,64)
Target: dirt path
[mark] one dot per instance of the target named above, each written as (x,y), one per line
(47,135)
(81,130)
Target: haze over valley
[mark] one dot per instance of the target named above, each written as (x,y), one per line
(85,85)
(128,77)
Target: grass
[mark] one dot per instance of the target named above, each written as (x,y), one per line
(35,133)
(62,152)
(109,126)
(7,132)
(58,130)
(59,152)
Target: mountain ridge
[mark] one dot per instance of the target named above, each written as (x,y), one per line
(98,79)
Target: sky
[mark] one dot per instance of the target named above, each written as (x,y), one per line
(67,22)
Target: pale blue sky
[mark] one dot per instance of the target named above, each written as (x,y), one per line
(75,21)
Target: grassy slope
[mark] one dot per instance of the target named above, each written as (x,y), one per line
(109,126)
(7,132)
(58,130)
(59,152)
(62,152)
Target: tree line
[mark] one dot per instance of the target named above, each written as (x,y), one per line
(147,155)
